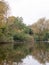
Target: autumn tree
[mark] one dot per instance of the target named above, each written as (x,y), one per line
(41,29)
(3,12)
(3,8)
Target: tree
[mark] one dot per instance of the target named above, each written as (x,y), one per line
(3,12)
(3,8)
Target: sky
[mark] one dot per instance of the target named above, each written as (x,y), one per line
(30,60)
(29,10)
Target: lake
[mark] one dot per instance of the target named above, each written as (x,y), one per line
(40,55)
(30,60)
(25,54)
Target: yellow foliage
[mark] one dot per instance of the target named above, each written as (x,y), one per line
(11,20)
(3,7)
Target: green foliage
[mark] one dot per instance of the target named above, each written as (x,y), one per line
(28,30)
(36,37)
(20,37)
(42,36)
(46,36)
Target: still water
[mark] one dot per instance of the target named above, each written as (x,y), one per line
(30,60)
(25,54)
(39,55)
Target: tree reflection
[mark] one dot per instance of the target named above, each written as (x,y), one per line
(41,52)
(10,54)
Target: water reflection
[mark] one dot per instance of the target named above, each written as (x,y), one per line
(41,52)
(30,60)
(37,54)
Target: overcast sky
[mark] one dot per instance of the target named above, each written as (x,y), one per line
(30,10)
